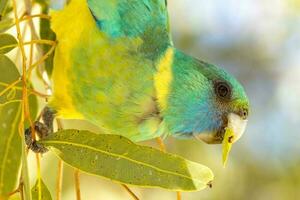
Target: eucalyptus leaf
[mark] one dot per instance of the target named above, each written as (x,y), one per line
(10,140)
(8,75)
(3,6)
(5,24)
(40,191)
(117,158)
(10,147)
(5,21)
(7,43)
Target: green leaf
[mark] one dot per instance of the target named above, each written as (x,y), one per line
(7,43)
(10,146)
(10,140)
(40,191)
(8,75)
(5,9)
(5,24)
(3,6)
(120,160)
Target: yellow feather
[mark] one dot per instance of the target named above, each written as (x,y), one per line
(163,78)
(82,21)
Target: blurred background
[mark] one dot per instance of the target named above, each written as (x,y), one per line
(259,42)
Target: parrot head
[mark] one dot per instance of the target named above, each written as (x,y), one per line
(203,101)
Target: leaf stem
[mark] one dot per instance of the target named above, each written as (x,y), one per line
(130,192)
(25,172)
(13,192)
(40,61)
(31,91)
(38,164)
(30,17)
(59,180)
(21,189)
(32,42)
(161,144)
(77,184)
(40,41)
(12,86)
(178,195)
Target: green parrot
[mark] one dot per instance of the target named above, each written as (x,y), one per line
(115,65)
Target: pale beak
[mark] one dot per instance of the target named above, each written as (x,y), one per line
(237,125)
(234,130)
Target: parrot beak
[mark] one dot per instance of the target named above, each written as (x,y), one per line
(234,130)
(235,123)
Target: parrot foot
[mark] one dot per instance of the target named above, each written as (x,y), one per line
(41,129)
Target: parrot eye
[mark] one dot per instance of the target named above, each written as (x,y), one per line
(223,90)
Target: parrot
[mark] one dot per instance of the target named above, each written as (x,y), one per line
(115,65)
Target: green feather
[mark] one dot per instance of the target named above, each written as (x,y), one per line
(115,62)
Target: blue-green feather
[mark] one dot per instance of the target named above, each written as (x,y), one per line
(144,19)
(192,104)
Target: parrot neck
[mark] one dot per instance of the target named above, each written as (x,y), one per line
(183,94)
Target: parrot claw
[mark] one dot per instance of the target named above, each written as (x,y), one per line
(41,129)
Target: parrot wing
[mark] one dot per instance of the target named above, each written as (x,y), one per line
(144,19)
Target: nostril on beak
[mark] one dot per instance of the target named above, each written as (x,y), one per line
(244,113)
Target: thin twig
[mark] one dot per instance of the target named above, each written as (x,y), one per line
(77,184)
(130,192)
(40,51)
(40,61)
(24,105)
(40,41)
(14,87)
(30,17)
(21,189)
(31,91)
(178,195)
(161,144)
(19,50)
(9,87)
(13,192)
(33,133)
(31,52)
(38,164)
(59,180)
(31,42)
